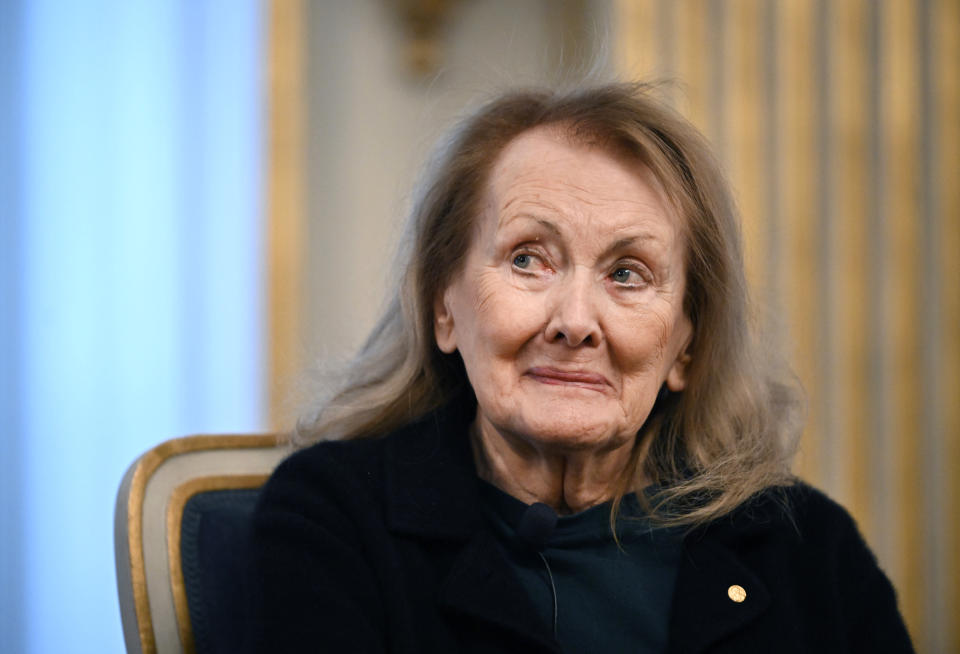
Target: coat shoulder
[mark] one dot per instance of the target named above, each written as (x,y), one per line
(325,482)
(799,510)
(360,458)
(372,463)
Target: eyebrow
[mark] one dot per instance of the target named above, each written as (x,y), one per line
(619,244)
(626,242)
(549,226)
(543,222)
(623,243)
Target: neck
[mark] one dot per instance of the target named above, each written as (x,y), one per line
(567,481)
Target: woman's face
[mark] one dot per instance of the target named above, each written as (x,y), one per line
(568,311)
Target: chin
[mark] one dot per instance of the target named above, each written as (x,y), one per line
(572,429)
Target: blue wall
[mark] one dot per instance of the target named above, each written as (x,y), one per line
(132,277)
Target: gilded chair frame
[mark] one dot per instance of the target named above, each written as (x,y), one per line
(147,528)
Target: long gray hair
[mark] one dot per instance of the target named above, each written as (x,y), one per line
(733,430)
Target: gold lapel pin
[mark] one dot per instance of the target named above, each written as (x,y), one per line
(737,593)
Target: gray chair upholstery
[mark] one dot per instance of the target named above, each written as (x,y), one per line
(179,525)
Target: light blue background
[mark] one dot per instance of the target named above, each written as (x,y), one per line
(131,277)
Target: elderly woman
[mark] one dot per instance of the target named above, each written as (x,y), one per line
(562,435)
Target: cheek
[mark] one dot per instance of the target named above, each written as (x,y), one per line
(639,360)
(638,343)
(504,317)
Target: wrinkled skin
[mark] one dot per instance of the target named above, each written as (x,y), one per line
(568,313)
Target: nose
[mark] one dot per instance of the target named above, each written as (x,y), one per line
(574,313)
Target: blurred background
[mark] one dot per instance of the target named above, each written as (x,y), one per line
(199,198)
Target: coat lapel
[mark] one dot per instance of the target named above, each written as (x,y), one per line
(431,493)
(703,610)
(481,586)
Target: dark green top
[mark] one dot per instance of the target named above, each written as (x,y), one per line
(609,598)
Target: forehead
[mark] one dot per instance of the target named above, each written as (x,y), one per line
(545,171)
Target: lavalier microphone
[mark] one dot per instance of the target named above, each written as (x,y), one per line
(536,526)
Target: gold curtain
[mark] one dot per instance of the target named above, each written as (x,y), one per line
(286,199)
(839,124)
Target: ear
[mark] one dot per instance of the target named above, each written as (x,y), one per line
(443,329)
(677,375)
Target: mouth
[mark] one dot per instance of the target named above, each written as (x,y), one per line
(571,378)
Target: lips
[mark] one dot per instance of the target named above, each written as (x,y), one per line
(575,378)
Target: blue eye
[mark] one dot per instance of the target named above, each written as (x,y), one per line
(622,275)
(521,260)
(628,277)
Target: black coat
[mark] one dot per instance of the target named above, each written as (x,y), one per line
(379,545)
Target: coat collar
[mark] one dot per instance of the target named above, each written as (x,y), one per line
(431,482)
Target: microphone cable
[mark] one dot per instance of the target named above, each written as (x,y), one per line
(534,530)
(553,590)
